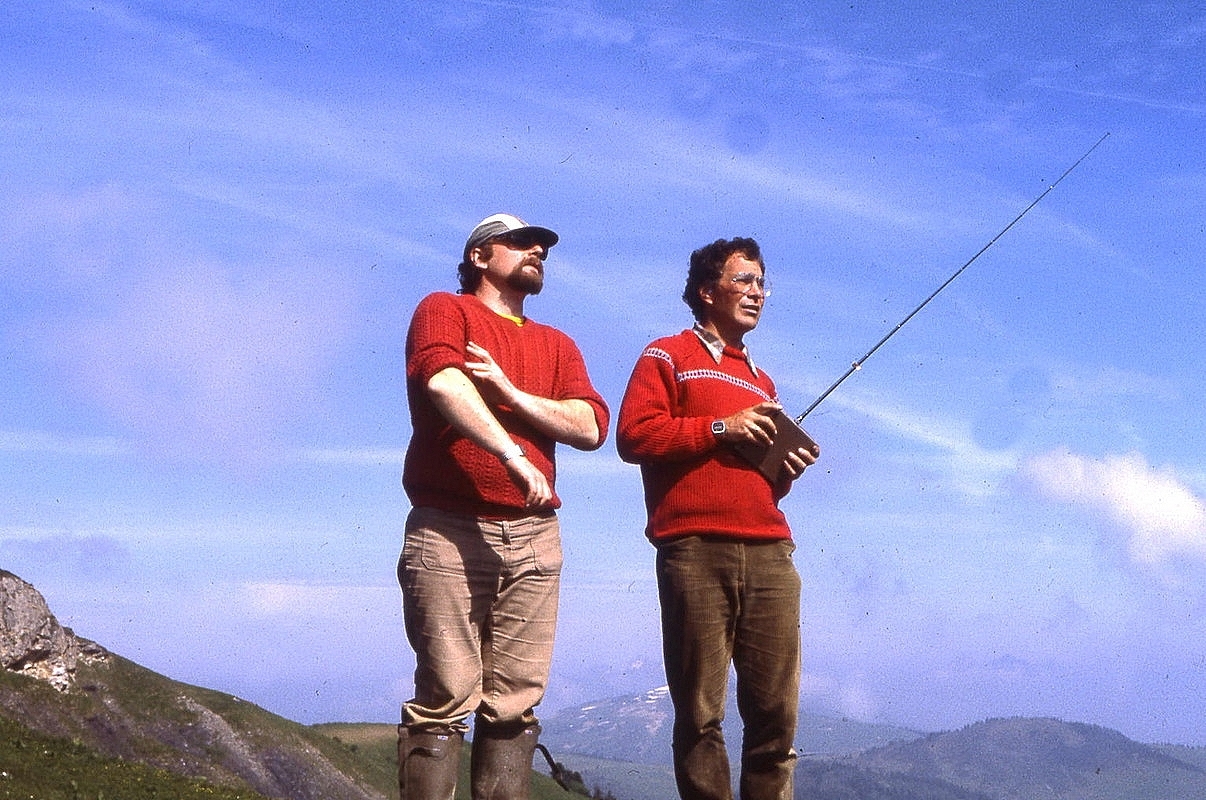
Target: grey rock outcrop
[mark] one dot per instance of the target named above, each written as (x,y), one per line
(32,641)
(119,709)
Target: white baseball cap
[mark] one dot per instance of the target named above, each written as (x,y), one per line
(498,224)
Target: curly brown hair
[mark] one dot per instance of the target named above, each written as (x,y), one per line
(707,264)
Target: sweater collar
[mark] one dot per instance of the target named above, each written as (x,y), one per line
(717,348)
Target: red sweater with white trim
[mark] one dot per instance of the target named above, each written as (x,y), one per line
(445,470)
(694,485)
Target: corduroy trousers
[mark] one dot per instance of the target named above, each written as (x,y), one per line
(731,602)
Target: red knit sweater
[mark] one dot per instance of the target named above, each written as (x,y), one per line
(444,469)
(693,484)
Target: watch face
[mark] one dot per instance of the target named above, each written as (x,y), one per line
(718,426)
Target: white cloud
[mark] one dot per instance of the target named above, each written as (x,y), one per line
(327,602)
(849,696)
(201,361)
(59,238)
(593,28)
(1164,519)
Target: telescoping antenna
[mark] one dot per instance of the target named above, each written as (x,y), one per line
(858,364)
(789,437)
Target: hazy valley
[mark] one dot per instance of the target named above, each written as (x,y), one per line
(77,720)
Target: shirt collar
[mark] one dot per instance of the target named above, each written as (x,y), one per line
(716,347)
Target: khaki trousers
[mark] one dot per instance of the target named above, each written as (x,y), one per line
(479,601)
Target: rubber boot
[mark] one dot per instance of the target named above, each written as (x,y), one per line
(428,762)
(501,764)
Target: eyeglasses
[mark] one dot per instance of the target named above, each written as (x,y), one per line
(746,281)
(520,241)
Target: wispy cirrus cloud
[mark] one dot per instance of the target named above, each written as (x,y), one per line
(45,443)
(356,456)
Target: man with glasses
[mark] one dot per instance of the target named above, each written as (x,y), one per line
(729,591)
(491,393)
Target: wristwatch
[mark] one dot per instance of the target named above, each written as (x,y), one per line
(719,428)
(514,451)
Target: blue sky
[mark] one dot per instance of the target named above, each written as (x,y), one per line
(218,217)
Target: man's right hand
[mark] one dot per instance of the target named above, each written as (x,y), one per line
(752,424)
(537,492)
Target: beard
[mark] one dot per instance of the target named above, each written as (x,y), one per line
(526,282)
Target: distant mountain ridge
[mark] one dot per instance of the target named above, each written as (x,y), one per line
(637,728)
(624,743)
(1027,758)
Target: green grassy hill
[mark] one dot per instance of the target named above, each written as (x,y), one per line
(126,733)
(43,767)
(119,711)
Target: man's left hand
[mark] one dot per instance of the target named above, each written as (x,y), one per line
(492,382)
(796,462)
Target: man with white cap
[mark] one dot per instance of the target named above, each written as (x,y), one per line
(491,394)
